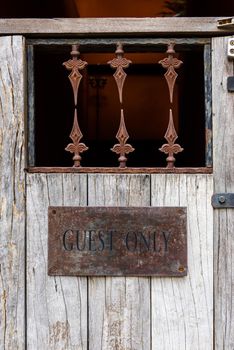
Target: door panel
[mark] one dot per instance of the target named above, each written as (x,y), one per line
(121,313)
(182,308)
(223,131)
(119,307)
(56,306)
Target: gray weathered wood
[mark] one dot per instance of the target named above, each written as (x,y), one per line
(208,104)
(56,306)
(71,26)
(12,202)
(182,308)
(223,127)
(31,109)
(119,308)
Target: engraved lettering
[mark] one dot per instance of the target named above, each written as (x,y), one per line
(144,244)
(155,244)
(78,234)
(102,244)
(131,241)
(166,236)
(111,240)
(91,241)
(66,244)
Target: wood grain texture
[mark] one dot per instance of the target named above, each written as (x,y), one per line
(208,104)
(71,26)
(223,126)
(12,198)
(31,106)
(119,308)
(182,309)
(56,306)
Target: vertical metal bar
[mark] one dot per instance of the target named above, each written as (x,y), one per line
(75,65)
(119,63)
(208,105)
(170,63)
(31,109)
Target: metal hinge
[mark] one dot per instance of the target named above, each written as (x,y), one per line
(223,200)
(226,23)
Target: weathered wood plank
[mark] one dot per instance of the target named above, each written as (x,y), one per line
(208,104)
(223,127)
(12,198)
(31,106)
(56,306)
(77,26)
(119,308)
(182,309)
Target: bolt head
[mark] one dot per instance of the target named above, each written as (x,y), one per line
(222,199)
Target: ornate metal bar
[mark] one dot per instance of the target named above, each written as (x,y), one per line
(119,63)
(75,77)
(76,147)
(170,63)
(122,148)
(75,64)
(171,147)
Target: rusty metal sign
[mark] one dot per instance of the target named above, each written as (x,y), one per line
(117,241)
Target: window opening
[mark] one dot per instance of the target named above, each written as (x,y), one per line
(146,102)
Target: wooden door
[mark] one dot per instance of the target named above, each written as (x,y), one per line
(120,313)
(42,312)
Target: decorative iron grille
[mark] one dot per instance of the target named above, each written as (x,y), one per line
(170,63)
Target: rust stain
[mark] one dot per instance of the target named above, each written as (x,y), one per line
(4,313)
(59,332)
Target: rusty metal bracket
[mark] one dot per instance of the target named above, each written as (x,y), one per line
(230,84)
(226,23)
(223,200)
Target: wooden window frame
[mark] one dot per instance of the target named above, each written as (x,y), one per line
(158,44)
